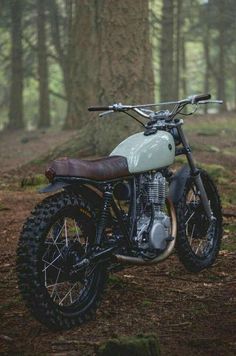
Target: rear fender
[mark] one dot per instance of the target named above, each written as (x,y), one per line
(53,187)
(178,183)
(90,193)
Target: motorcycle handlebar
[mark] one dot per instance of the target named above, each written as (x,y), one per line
(196,98)
(99,108)
(140,109)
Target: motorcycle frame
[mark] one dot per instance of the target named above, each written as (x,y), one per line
(106,188)
(102,188)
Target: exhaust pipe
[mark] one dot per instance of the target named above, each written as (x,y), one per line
(139,260)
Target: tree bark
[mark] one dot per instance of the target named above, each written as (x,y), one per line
(112,62)
(206,47)
(62,39)
(167,51)
(44,102)
(16,85)
(183,67)
(178,40)
(207,67)
(221,90)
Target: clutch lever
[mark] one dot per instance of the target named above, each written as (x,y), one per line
(106,113)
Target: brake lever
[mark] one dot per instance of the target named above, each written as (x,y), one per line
(106,113)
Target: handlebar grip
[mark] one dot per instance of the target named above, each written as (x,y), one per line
(98,108)
(200,97)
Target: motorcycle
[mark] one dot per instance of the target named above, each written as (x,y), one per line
(125,209)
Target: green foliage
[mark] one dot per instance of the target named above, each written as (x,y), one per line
(115,280)
(229,242)
(146,303)
(58,106)
(3,207)
(220,126)
(216,171)
(229,196)
(35,181)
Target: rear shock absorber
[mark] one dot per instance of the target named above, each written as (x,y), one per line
(104,213)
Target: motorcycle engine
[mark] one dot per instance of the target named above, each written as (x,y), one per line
(153,224)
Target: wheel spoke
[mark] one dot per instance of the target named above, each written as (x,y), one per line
(66,236)
(197,238)
(77,230)
(66,295)
(51,263)
(56,284)
(189,218)
(200,243)
(61,245)
(55,240)
(191,237)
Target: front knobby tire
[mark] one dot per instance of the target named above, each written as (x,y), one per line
(57,229)
(197,243)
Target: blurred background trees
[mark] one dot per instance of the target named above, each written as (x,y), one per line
(59,56)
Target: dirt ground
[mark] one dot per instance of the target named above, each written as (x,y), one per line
(192,314)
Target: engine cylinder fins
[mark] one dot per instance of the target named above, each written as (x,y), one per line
(157,189)
(169,249)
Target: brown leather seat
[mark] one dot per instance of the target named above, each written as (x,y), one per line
(98,169)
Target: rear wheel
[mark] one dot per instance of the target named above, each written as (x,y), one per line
(198,240)
(56,237)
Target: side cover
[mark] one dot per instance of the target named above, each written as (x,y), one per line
(144,153)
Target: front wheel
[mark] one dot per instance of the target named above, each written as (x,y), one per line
(56,237)
(198,240)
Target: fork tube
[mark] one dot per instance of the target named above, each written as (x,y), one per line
(195,173)
(203,195)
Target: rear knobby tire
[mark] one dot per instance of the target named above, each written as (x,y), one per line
(190,255)
(30,256)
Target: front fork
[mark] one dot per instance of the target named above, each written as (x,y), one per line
(195,173)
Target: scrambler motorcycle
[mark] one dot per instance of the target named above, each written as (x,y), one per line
(125,209)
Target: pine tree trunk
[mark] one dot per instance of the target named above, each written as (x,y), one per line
(167,51)
(16,85)
(207,68)
(221,90)
(178,28)
(63,40)
(44,103)
(183,67)
(112,62)
(85,63)
(206,46)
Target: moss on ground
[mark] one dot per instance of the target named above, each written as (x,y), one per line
(115,280)
(140,345)
(36,180)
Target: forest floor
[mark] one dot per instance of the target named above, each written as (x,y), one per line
(192,314)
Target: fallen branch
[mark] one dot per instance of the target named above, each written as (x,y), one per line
(229,214)
(6,338)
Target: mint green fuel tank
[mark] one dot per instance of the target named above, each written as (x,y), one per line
(144,153)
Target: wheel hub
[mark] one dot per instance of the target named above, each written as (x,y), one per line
(64,260)
(199,223)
